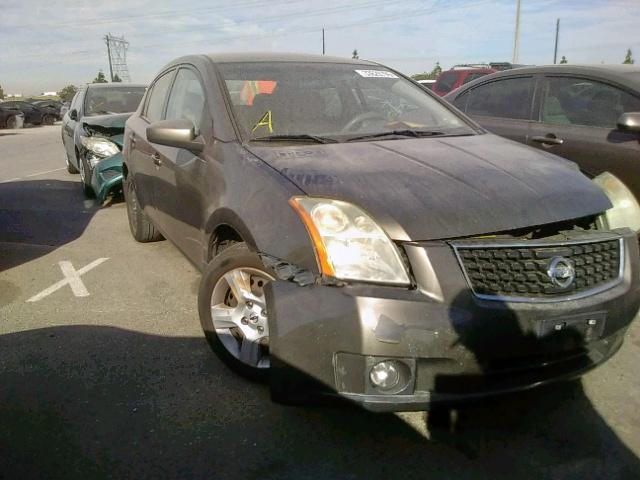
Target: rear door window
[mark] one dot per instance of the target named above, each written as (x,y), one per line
(187,98)
(446,81)
(580,101)
(506,98)
(155,105)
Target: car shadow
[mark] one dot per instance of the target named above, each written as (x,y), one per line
(552,431)
(38,216)
(102,402)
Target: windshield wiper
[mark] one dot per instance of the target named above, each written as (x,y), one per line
(295,138)
(397,133)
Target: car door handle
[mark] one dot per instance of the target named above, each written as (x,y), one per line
(156,160)
(550,139)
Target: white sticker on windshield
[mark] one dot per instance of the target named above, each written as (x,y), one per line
(376,74)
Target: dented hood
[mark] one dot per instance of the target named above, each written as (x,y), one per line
(434,188)
(105,125)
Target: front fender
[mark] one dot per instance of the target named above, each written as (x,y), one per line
(107,176)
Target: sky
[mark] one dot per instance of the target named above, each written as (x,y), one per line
(45,45)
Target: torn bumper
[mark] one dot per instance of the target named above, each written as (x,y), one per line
(449,345)
(107,176)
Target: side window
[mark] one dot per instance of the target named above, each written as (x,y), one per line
(461,101)
(472,76)
(446,81)
(187,98)
(579,101)
(153,110)
(508,98)
(76,100)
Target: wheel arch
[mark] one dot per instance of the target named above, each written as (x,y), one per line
(225,225)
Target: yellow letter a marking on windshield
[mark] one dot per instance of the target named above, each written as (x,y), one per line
(265,121)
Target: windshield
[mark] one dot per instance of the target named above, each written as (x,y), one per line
(330,100)
(105,100)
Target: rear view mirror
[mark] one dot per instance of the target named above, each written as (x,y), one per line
(629,122)
(73,114)
(175,133)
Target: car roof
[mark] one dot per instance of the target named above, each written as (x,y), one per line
(253,57)
(627,75)
(115,85)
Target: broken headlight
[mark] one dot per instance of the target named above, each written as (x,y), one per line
(625,211)
(100,147)
(349,245)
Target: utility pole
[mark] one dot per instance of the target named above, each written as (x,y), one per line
(106,39)
(117,51)
(323,41)
(555,49)
(516,38)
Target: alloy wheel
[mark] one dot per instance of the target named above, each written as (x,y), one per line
(239,314)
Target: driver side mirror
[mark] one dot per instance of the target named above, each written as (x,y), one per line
(175,133)
(629,122)
(73,114)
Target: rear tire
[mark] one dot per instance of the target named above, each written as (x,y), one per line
(11,122)
(140,224)
(48,120)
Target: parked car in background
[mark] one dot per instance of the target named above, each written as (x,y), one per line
(588,114)
(10,117)
(33,114)
(360,237)
(51,106)
(92,134)
(427,83)
(449,80)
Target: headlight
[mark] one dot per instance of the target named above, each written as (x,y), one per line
(625,211)
(99,146)
(349,245)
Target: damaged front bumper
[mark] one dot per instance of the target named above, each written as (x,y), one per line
(447,344)
(106,176)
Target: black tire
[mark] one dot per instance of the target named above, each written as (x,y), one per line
(11,122)
(48,120)
(85,178)
(70,167)
(140,224)
(237,255)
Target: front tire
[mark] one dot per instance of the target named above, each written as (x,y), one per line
(11,122)
(70,167)
(85,178)
(140,224)
(48,120)
(233,313)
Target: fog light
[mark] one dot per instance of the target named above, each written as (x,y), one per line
(384,375)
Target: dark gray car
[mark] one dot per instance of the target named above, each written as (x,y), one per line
(588,114)
(360,237)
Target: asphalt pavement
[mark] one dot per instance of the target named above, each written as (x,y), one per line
(105,373)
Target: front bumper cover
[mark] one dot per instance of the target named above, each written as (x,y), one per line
(457,346)
(106,176)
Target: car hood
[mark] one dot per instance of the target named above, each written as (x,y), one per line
(435,188)
(106,125)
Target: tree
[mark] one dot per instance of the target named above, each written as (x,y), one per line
(355,54)
(100,78)
(1,93)
(67,93)
(628,59)
(564,59)
(432,75)
(116,78)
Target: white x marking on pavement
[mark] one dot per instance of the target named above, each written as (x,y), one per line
(71,278)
